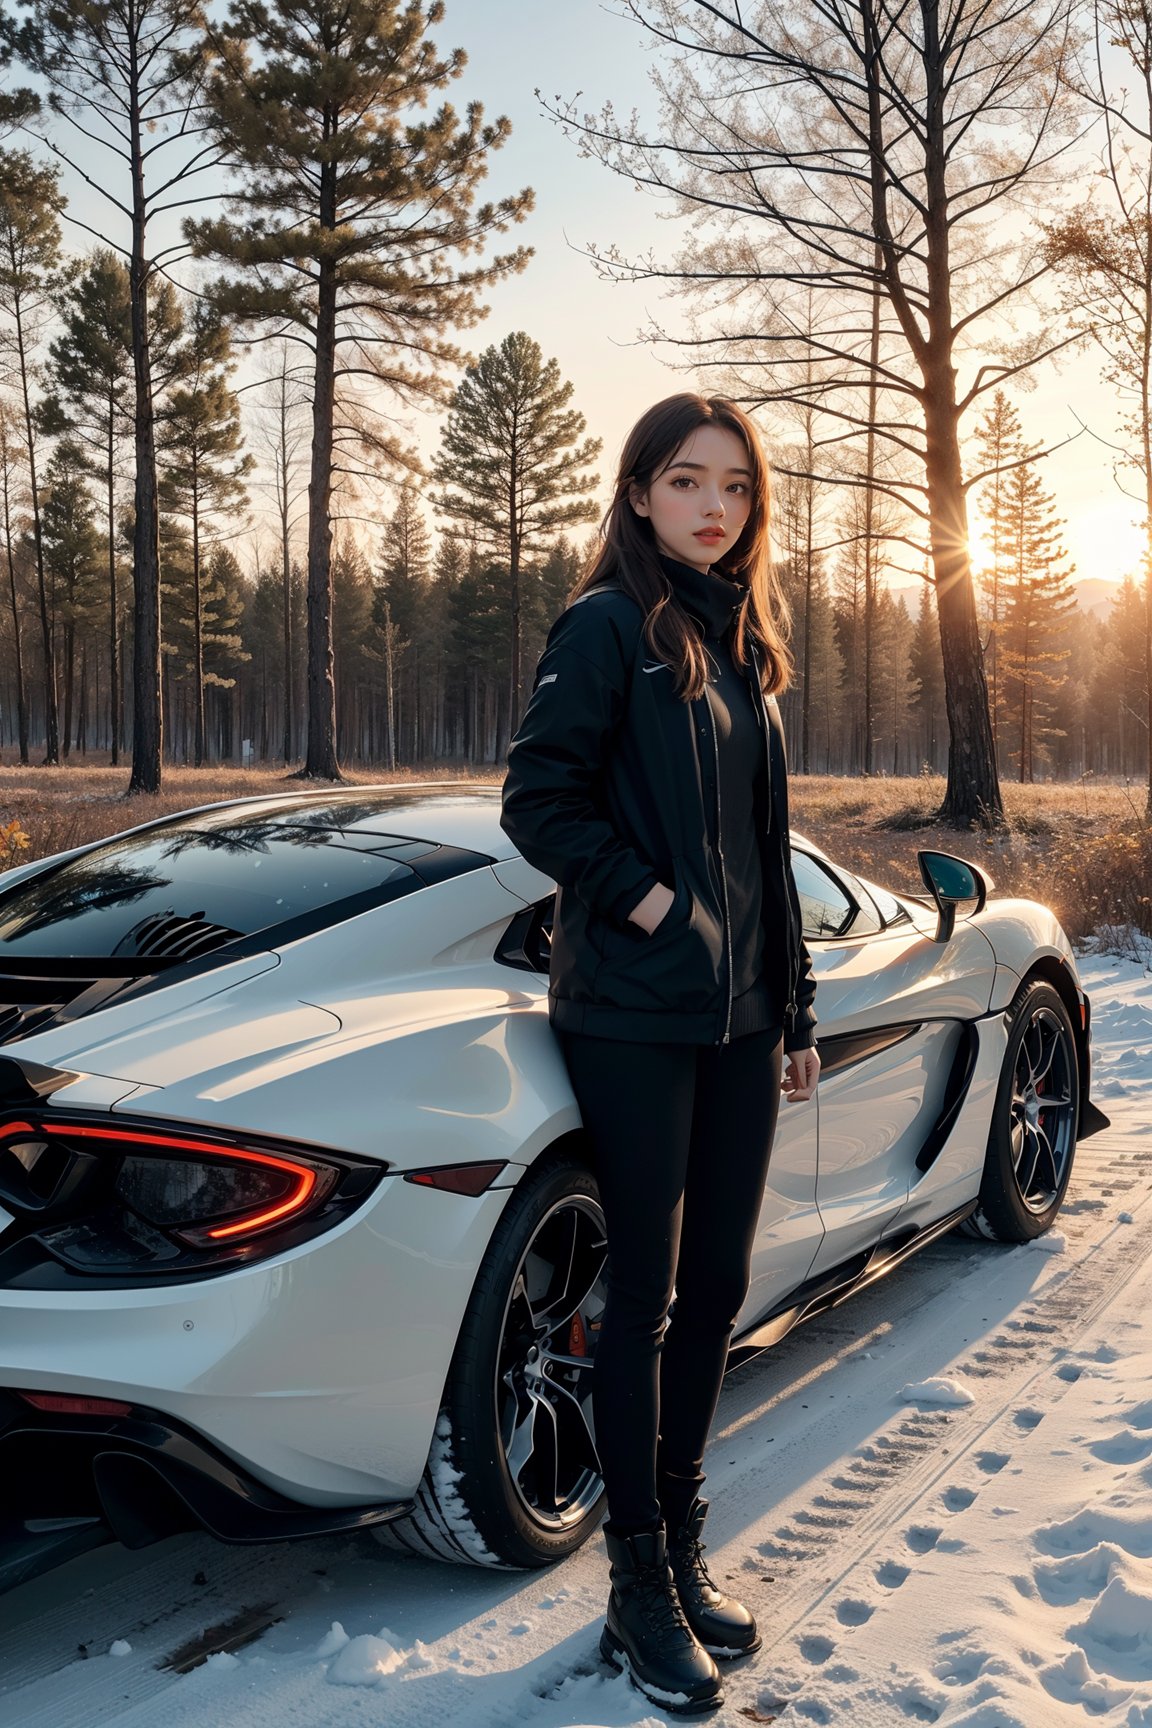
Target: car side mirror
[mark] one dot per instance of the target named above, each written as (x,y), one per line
(952,882)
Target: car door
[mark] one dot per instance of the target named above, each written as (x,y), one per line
(892,1005)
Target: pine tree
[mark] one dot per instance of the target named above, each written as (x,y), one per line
(123,84)
(1118,686)
(999,444)
(926,673)
(204,465)
(344,221)
(281,437)
(73,562)
(398,609)
(354,646)
(222,603)
(31,274)
(510,465)
(795,509)
(11,462)
(478,654)
(1038,605)
(90,389)
(448,569)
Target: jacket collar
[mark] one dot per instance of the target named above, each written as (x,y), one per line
(714,599)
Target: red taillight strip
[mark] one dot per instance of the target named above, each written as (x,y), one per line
(256,1221)
(11,1128)
(66,1404)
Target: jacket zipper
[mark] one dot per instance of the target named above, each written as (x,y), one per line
(793,952)
(723,877)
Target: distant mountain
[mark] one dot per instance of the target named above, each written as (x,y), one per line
(1095,595)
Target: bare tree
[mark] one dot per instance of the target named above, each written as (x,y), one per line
(1105,246)
(891,155)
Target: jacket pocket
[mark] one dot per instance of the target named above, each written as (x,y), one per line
(678,966)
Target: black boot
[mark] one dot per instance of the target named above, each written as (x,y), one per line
(724,1626)
(647,1635)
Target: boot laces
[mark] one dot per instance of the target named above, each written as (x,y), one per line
(690,1551)
(656,1591)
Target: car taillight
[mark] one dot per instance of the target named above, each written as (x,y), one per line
(106,1198)
(206,1200)
(66,1404)
(207,1193)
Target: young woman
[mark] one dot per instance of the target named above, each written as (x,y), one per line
(648,779)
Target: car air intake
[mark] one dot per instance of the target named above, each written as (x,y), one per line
(170,935)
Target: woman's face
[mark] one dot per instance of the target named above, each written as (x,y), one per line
(702,499)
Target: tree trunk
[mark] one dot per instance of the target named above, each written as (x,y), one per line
(514,572)
(320,761)
(47,636)
(972,794)
(390,729)
(289,748)
(18,652)
(197,624)
(284,503)
(148,712)
(69,679)
(82,706)
(870,532)
(113,598)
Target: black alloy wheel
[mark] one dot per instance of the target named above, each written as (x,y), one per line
(543,1379)
(513,1478)
(1032,1139)
(1042,1131)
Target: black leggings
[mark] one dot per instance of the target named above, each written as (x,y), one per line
(681,1135)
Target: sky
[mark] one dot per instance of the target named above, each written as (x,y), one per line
(592,328)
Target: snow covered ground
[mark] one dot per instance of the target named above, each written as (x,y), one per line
(937,1499)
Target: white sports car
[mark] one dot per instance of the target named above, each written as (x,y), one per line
(298,1227)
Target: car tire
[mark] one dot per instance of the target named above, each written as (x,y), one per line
(517,1411)
(1032,1138)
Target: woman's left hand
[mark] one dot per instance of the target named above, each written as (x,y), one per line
(803,1072)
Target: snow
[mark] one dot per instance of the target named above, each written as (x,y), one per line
(366,1660)
(936,1498)
(1052,1242)
(937,1391)
(333,1640)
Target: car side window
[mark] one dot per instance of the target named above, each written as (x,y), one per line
(825,907)
(890,908)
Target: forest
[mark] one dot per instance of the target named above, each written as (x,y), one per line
(218,547)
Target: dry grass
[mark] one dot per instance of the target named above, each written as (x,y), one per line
(1084,849)
(63,807)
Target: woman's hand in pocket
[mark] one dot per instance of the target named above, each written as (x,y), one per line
(653,909)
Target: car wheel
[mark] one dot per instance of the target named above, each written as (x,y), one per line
(513,1478)
(1032,1140)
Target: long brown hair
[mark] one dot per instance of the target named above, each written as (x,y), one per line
(629,555)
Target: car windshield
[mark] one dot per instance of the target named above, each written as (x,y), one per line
(219,874)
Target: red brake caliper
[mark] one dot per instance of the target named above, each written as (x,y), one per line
(577,1338)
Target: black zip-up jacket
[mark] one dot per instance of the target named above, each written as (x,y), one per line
(604,793)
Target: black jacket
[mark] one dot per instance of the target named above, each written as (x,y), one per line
(604,794)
